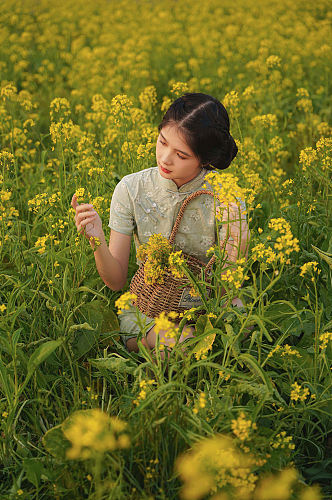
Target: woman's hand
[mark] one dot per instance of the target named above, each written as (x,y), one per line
(87,220)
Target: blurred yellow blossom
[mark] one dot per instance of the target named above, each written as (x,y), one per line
(93,431)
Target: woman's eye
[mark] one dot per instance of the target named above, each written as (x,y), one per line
(162,142)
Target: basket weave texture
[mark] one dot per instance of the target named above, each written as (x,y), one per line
(173,293)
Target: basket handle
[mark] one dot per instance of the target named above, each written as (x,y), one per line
(179,217)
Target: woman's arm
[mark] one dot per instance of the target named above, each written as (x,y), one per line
(112,260)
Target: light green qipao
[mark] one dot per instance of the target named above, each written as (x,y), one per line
(145,203)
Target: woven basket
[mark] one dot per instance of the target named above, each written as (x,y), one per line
(173,293)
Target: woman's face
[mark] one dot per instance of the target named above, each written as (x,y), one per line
(174,155)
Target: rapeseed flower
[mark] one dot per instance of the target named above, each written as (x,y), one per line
(160,259)
(281,440)
(43,200)
(231,102)
(324,338)
(242,427)
(276,487)
(285,243)
(93,431)
(267,121)
(59,106)
(164,324)
(148,97)
(309,267)
(96,241)
(176,261)
(200,403)
(308,156)
(226,188)
(145,387)
(234,276)
(123,302)
(299,393)
(215,464)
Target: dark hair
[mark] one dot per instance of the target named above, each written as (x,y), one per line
(204,123)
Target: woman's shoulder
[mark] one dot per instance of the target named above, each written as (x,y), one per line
(141,176)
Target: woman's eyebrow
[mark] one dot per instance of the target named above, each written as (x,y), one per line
(187,154)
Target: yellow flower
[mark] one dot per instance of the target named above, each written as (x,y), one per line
(309,267)
(276,487)
(242,427)
(231,102)
(273,61)
(123,302)
(283,441)
(80,194)
(3,307)
(179,88)
(92,431)
(200,403)
(156,252)
(163,324)
(308,156)
(148,97)
(213,464)
(267,121)
(226,187)
(175,262)
(144,389)
(96,241)
(325,339)
(166,104)
(298,393)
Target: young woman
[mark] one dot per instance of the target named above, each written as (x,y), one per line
(193,139)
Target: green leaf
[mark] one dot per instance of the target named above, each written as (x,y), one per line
(324,255)
(234,343)
(248,359)
(206,343)
(99,319)
(81,326)
(262,327)
(87,289)
(200,325)
(114,363)
(42,353)
(65,285)
(33,470)
(83,340)
(6,382)
(56,443)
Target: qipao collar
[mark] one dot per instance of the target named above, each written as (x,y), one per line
(189,187)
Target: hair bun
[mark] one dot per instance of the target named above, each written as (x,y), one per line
(226,153)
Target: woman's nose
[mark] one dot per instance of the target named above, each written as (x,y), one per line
(166,159)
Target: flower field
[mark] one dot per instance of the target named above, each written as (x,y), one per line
(246,412)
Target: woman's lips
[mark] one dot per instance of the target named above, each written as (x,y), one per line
(165,170)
